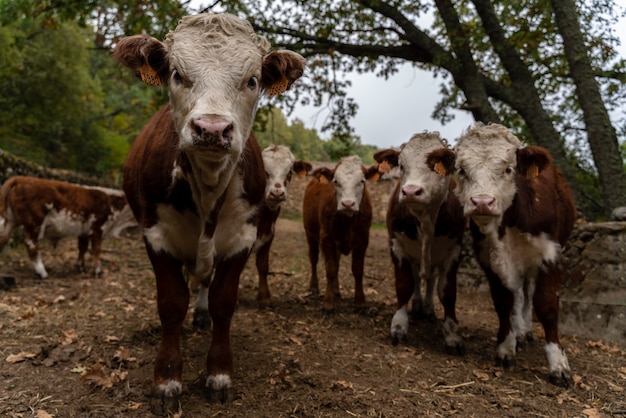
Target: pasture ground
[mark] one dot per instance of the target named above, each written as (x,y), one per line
(78,346)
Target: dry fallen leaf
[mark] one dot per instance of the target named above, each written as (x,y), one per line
(16,358)
(98,376)
(68,337)
(591,413)
(122,354)
(43,414)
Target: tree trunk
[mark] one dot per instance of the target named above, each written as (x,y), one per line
(601,134)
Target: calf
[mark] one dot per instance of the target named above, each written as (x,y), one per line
(55,209)
(279,165)
(194,177)
(425,224)
(337,214)
(521,213)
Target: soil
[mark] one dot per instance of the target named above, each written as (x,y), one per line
(78,346)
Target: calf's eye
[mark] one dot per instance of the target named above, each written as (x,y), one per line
(253,82)
(509,170)
(177,77)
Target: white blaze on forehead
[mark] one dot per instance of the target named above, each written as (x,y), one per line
(216,55)
(415,171)
(278,161)
(349,181)
(483,155)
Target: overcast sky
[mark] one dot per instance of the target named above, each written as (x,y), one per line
(391,111)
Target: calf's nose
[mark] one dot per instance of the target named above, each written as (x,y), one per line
(483,204)
(411,192)
(277,193)
(212,131)
(348,204)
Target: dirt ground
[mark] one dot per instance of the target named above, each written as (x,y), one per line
(77,346)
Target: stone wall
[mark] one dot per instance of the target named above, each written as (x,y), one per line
(11,165)
(593,299)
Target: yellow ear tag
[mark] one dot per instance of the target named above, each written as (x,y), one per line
(148,75)
(440,169)
(279,87)
(533,171)
(384,167)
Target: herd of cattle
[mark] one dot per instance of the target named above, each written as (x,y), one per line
(205,197)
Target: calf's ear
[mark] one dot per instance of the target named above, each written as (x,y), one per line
(280,70)
(531,160)
(324,175)
(301,167)
(373,173)
(386,159)
(441,161)
(145,56)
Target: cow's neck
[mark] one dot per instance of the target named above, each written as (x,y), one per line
(208,180)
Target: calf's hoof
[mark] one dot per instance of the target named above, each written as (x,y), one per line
(219,388)
(505,362)
(201,319)
(165,399)
(165,407)
(523,340)
(457,349)
(265,304)
(561,378)
(398,336)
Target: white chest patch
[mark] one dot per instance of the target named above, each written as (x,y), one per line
(517,254)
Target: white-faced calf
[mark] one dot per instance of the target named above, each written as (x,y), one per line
(337,215)
(425,224)
(194,177)
(522,212)
(280,165)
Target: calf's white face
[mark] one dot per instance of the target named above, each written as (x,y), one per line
(486,165)
(215,65)
(421,186)
(278,161)
(349,182)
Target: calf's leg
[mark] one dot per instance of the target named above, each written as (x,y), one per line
(446,290)
(263,266)
(172,303)
(222,301)
(314,254)
(83,245)
(547,309)
(503,300)
(404,289)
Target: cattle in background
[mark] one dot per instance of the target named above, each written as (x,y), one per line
(280,164)
(337,215)
(425,224)
(522,212)
(194,177)
(56,209)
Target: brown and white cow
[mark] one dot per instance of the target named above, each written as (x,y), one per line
(337,215)
(194,177)
(279,164)
(522,212)
(425,224)
(55,209)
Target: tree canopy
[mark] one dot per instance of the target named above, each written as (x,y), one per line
(530,65)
